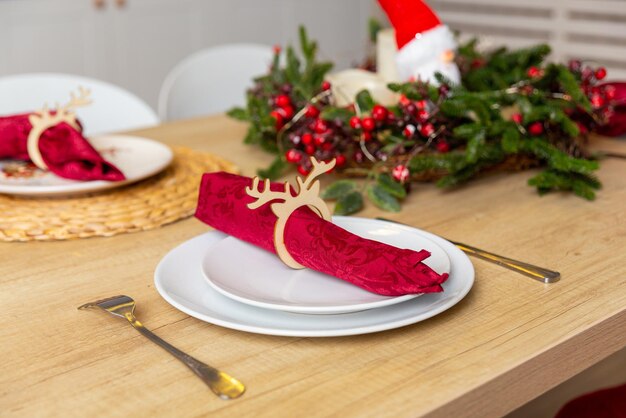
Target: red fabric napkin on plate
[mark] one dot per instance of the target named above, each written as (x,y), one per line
(314,242)
(65,151)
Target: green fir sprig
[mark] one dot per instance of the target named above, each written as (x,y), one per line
(512,110)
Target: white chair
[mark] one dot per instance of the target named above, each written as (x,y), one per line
(113,108)
(212,80)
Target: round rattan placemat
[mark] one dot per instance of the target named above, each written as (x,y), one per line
(151,203)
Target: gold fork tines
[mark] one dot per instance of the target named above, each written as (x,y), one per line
(222,384)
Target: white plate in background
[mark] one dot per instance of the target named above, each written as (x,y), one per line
(138,158)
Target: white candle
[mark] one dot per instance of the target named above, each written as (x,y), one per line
(386,50)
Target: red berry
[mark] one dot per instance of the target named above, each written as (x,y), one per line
(597,101)
(319,140)
(400,173)
(443,146)
(587,73)
(367,136)
(303,170)
(478,63)
(421,104)
(422,114)
(307,139)
(517,118)
(279,118)
(533,72)
(379,113)
(340,160)
(427,129)
(282,100)
(293,156)
(575,65)
(582,128)
(600,73)
(295,139)
(404,100)
(535,128)
(288,112)
(309,149)
(368,124)
(312,111)
(325,85)
(609,92)
(408,130)
(355,122)
(320,126)
(327,146)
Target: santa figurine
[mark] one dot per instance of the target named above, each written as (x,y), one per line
(424,45)
(417,47)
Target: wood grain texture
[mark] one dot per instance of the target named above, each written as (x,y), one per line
(510,340)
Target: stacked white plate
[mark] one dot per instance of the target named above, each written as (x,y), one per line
(227,282)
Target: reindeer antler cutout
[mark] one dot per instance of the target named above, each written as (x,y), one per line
(307,195)
(44,119)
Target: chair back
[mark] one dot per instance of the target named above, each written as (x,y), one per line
(113,108)
(212,80)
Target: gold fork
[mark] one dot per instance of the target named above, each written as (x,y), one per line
(222,384)
(535,272)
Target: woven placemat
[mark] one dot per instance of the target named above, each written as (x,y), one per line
(154,202)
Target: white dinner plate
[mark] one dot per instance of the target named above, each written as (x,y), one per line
(268,283)
(138,158)
(179,280)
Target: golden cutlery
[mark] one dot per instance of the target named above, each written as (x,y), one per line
(222,384)
(538,273)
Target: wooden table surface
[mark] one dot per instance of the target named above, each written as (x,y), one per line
(508,341)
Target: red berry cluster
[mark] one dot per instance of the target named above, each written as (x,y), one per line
(314,136)
(600,96)
(535,128)
(282,110)
(366,127)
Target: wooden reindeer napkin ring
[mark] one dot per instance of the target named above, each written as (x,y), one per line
(307,195)
(44,119)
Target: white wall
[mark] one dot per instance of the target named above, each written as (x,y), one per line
(136,45)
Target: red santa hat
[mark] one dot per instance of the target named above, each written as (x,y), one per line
(423,41)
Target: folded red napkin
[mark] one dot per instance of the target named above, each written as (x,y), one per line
(314,242)
(64,150)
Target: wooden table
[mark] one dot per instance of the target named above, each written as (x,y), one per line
(508,341)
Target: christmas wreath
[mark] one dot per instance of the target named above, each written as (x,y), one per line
(512,110)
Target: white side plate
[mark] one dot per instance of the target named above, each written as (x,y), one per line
(138,158)
(268,283)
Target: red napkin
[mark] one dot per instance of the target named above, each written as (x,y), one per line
(64,150)
(314,242)
(605,403)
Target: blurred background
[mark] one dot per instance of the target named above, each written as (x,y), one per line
(135,43)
